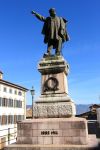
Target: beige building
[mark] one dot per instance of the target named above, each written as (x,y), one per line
(12,109)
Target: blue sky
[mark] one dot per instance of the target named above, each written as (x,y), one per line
(21,44)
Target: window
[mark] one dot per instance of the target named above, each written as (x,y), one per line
(10,91)
(11,103)
(17,103)
(14,103)
(15,92)
(19,118)
(4,102)
(20,104)
(19,93)
(5,89)
(10,119)
(4,120)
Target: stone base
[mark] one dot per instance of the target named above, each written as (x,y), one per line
(53,131)
(92,145)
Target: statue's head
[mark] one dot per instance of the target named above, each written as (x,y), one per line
(52,12)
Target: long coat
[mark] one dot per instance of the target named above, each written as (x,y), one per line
(55,28)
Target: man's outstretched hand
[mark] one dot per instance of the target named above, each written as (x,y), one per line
(33,12)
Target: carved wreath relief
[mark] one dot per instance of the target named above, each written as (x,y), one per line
(51,84)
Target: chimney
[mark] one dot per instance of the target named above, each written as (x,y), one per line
(1,75)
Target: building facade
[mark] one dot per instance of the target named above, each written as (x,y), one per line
(12,110)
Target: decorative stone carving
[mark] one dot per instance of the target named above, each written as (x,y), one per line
(42,111)
(52,110)
(65,110)
(60,109)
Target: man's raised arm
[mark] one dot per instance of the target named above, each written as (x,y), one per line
(38,16)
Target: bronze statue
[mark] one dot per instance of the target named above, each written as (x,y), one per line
(54,30)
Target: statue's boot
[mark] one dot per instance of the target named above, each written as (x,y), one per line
(58,53)
(47,54)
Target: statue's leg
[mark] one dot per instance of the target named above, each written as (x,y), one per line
(49,47)
(58,46)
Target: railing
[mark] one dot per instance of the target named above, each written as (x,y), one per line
(9,137)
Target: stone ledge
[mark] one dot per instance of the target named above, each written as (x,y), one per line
(72,119)
(54,98)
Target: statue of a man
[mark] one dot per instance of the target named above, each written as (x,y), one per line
(54,30)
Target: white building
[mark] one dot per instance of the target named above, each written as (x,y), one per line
(12,109)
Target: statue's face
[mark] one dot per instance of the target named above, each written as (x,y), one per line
(52,13)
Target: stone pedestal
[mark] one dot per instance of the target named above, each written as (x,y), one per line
(54,100)
(54,125)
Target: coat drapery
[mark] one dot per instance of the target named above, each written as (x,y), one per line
(55,28)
